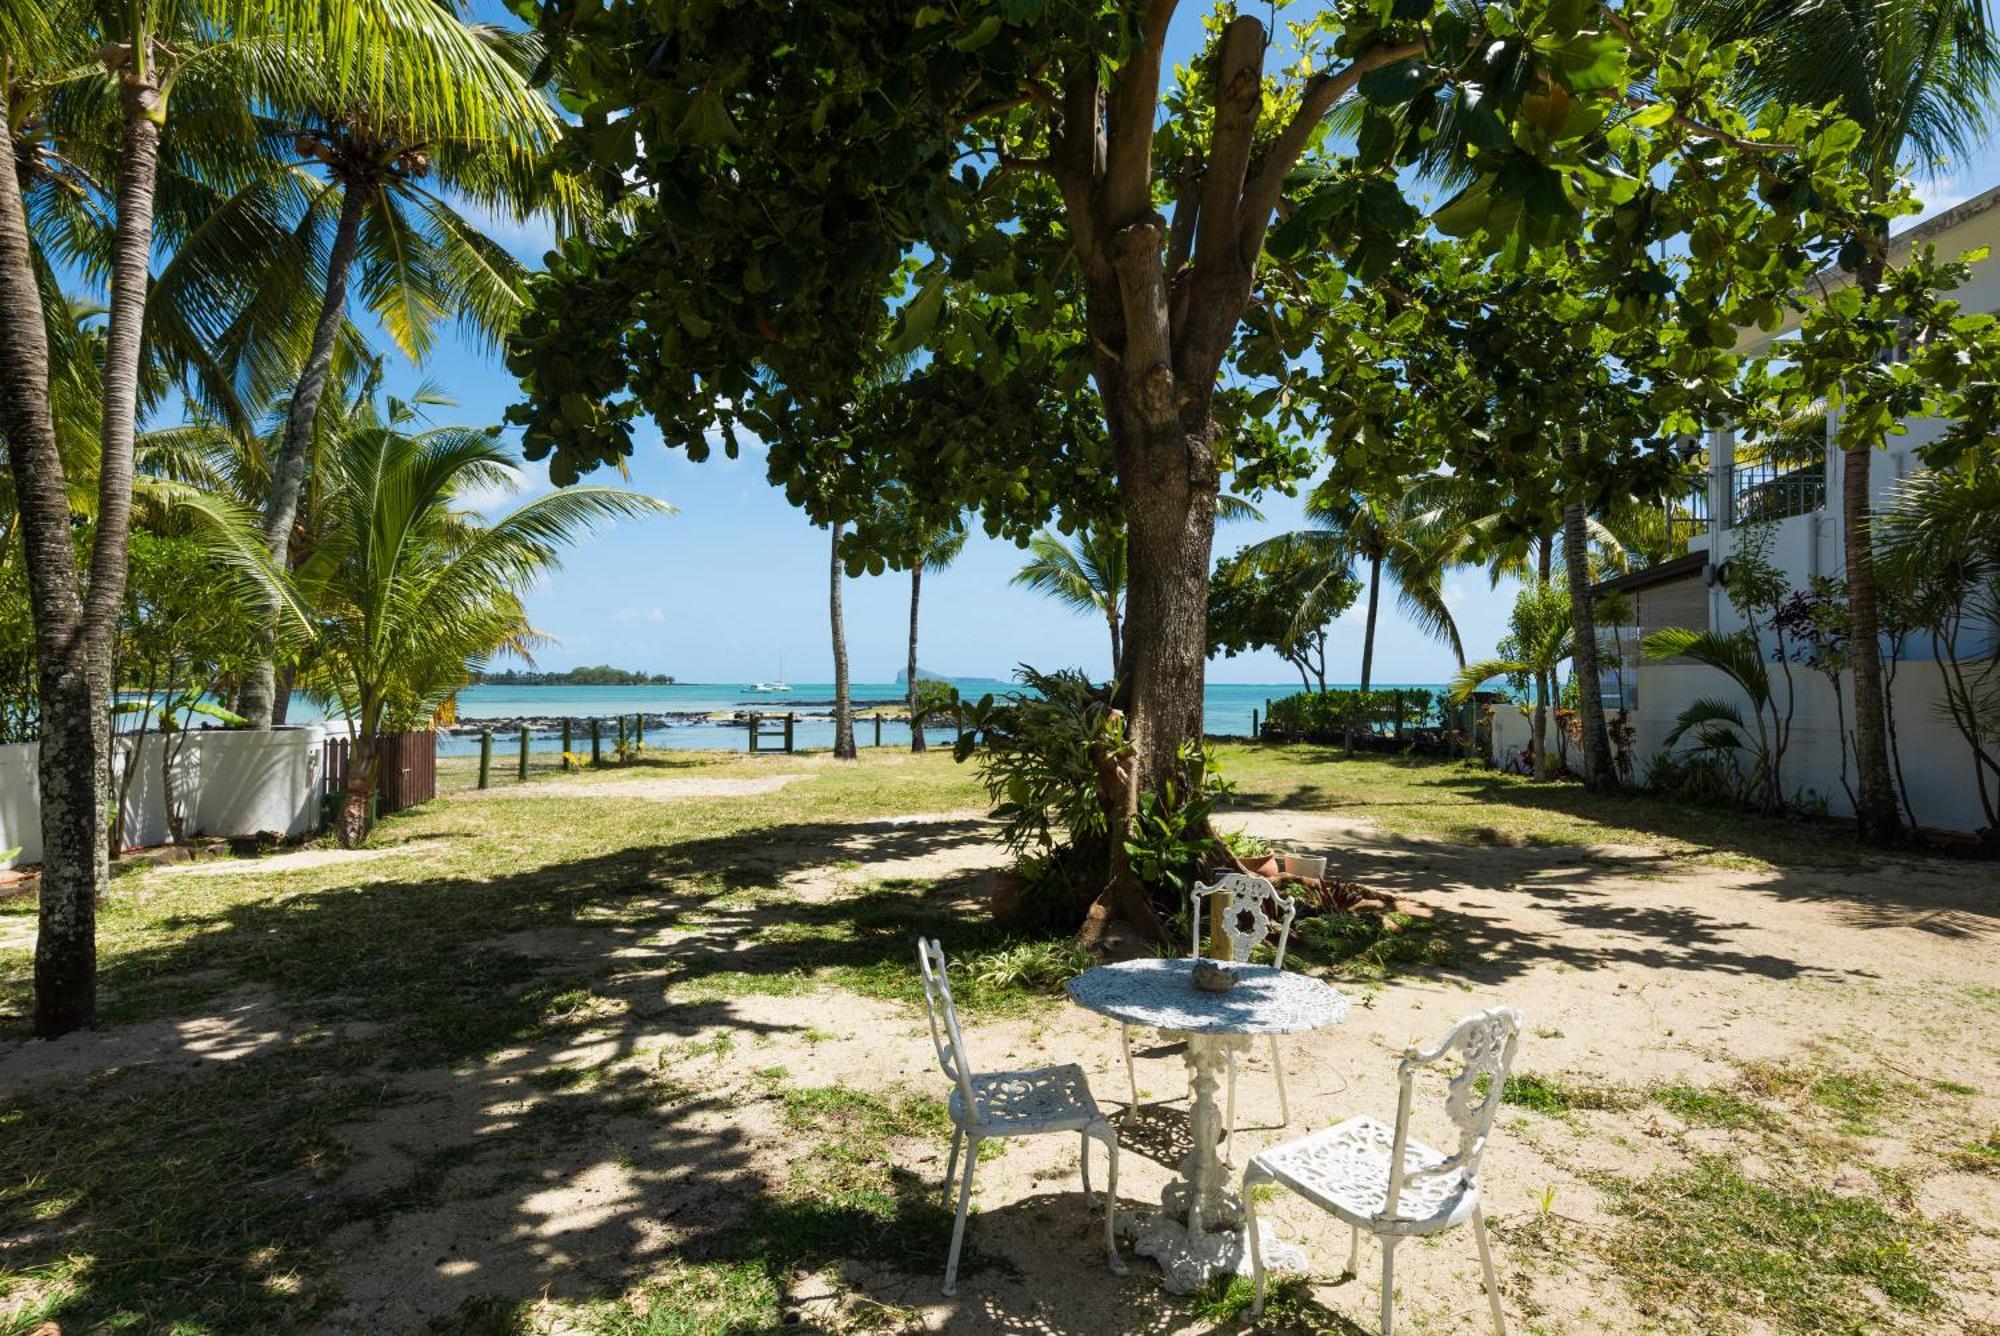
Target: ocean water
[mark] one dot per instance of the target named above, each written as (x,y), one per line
(688,711)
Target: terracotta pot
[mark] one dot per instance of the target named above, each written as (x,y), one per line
(1264,865)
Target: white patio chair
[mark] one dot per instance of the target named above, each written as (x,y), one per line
(1246,923)
(1009,1104)
(1348,1171)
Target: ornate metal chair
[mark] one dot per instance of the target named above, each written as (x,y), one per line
(1009,1104)
(1379,1179)
(1240,914)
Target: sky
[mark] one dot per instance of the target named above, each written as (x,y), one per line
(734,586)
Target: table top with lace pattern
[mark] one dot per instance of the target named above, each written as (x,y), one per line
(1160,994)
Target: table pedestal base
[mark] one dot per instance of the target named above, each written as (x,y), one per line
(1198,1232)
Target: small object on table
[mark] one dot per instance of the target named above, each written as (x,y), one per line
(1213,978)
(1198,1233)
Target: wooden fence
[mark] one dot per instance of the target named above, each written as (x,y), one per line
(405,776)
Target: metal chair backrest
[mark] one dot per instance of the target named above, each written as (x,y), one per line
(1484,1043)
(1240,900)
(944,1033)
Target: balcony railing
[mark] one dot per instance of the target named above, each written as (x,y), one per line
(1768,490)
(1687,518)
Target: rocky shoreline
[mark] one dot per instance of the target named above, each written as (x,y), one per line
(542,725)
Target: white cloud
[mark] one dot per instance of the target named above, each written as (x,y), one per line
(639,615)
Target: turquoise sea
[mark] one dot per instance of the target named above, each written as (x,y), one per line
(696,715)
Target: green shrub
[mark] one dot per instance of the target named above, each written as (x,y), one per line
(1327,716)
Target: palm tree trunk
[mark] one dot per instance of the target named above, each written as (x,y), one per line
(843,706)
(1368,635)
(361,774)
(917,743)
(288,471)
(1117,642)
(70,764)
(1598,771)
(1875,810)
(1542,770)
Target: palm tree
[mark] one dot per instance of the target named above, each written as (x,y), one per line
(843,702)
(936,550)
(1541,635)
(411,594)
(1918,77)
(1408,536)
(1086,573)
(120,63)
(385,217)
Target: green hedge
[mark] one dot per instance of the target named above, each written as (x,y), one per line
(1327,716)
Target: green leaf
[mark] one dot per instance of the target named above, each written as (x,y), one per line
(1396,83)
(919,317)
(707,120)
(982,34)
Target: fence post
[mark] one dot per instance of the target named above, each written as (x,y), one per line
(1253,726)
(621,738)
(597,742)
(791,716)
(753,730)
(522,768)
(569,741)
(1399,714)
(878,728)
(485,756)
(639,727)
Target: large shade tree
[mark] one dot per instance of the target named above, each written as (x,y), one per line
(1027,194)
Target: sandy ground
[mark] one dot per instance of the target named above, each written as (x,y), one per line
(1629,970)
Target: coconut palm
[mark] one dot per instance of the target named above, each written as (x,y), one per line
(1918,78)
(120,66)
(932,548)
(843,692)
(383,185)
(1408,536)
(410,593)
(1085,573)
(1540,637)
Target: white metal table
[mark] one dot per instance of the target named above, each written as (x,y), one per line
(1198,1232)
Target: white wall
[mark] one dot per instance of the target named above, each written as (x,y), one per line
(1937,763)
(229,784)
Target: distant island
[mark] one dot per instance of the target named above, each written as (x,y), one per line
(932,675)
(598,675)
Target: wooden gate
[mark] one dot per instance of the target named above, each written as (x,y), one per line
(406,773)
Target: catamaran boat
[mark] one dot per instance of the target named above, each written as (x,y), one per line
(780,685)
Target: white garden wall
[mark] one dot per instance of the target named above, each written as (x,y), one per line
(1937,763)
(229,784)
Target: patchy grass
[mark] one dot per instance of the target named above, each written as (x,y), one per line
(1712,1106)
(1713,1245)
(1980,1155)
(1463,802)
(1558,1098)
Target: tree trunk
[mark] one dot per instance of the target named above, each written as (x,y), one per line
(1117,642)
(1598,770)
(288,471)
(917,743)
(361,776)
(1875,809)
(73,632)
(1368,635)
(843,706)
(1542,768)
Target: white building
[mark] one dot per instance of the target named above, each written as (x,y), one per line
(1800,501)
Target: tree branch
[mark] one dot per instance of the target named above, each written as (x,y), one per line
(1687,122)
(1322,91)
(1142,289)
(1078,155)
(1128,159)
(1187,209)
(1239,96)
